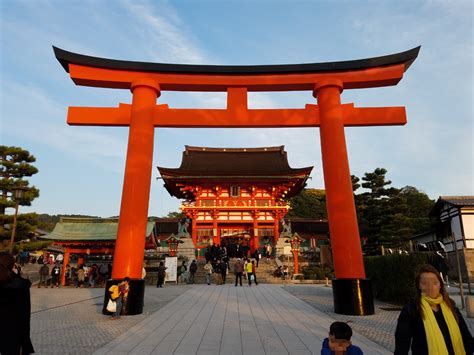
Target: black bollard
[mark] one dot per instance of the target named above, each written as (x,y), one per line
(353,297)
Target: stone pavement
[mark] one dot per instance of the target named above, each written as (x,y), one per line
(191,319)
(201,319)
(379,327)
(263,319)
(69,320)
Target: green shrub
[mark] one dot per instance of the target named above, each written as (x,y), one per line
(393,276)
(317,273)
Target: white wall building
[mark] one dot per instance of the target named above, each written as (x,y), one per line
(456,225)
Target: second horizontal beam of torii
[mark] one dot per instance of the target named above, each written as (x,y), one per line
(238,117)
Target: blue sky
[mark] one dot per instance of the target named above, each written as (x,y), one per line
(81,168)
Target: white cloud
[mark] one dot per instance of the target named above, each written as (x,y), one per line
(44,121)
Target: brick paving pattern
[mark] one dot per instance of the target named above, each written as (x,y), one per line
(69,320)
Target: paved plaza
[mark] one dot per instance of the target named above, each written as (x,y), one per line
(201,319)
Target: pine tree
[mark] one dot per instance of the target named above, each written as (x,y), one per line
(309,203)
(15,166)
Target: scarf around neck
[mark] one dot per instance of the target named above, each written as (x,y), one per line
(434,337)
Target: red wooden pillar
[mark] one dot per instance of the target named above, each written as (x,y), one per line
(194,230)
(276,230)
(80,260)
(65,263)
(216,240)
(352,293)
(130,245)
(255,233)
(295,262)
(345,242)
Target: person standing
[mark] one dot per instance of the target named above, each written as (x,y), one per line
(93,275)
(161,275)
(182,272)
(55,273)
(74,276)
(118,294)
(269,251)
(68,274)
(223,271)
(256,255)
(103,271)
(44,273)
(81,276)
(254,272)
(238,270)
(431,324)
(15,309)
(217,272)
(208,270)
(114,295)
(250,276)
(192,271)
(124,288)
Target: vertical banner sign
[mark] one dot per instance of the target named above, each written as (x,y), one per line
(171,263)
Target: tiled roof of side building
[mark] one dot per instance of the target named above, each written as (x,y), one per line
(88,229)
(458,200)
(453,201)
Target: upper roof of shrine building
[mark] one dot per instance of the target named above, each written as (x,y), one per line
(201,165)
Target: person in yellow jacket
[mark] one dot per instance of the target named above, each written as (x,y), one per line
(249,270)
(117,294)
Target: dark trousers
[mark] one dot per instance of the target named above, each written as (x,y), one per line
(55,281)
(238,276)
(249,277)
(223,274)
(43,279)
(161,280)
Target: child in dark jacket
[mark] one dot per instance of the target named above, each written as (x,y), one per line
(339,341)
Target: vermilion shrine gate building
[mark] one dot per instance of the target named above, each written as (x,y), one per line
(234,195)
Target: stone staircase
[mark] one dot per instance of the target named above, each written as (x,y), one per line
(264,272)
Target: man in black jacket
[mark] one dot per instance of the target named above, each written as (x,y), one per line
(15,309)
(192,271)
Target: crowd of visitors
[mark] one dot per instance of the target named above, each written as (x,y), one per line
(92,276)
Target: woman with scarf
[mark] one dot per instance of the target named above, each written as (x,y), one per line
(431,324)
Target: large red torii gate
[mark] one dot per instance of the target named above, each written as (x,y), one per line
(352,291)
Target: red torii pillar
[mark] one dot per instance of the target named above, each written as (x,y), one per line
(351,290)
